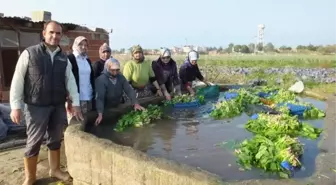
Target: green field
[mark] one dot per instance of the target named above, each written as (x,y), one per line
(262,61)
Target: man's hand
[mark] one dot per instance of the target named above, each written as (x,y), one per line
(138,107)
(15,116)
(99,119)
(69,107)
(77,113)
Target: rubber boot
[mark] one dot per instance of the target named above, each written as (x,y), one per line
(30,170)
(54,164)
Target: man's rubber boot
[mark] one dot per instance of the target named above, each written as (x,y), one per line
(30,165)
(54,164)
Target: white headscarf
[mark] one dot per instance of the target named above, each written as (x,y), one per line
(75,46)
(165,52)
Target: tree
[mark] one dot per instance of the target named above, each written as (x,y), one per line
(251,47)
(269,47)
(260,47)
(285,48)
(229,49)
(300,47)
(311,47)
(237,48)
(244,49)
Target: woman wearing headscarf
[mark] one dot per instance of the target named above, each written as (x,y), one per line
(165,71)
(104,54)
(110,87)
(189,71)
(82,70)
(140,75)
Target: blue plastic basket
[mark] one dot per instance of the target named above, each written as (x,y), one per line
(255,116)
(192,104)
(266,94)
(295,109)
(230,95)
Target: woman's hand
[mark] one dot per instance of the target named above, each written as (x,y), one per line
(167,95)
(159,92)
(191,91)
(138,107)
(99,119)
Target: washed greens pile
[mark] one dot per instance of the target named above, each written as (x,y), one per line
(272,126)
(310,113)
(139,118)
(233,107)
(283,96)
(269,154)
(185,98)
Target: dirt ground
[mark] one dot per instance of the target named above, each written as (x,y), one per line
(12,169)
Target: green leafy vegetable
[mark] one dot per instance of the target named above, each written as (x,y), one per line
(275,125)
(234,107)
(313,113)
(283,96)
(139,118)
(226,109)
(268,154)
(185,98)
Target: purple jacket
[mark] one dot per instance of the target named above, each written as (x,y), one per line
(189,73)
(165,73)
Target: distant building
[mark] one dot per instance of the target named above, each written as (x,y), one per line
(38,16)
(187,49)
(176,50)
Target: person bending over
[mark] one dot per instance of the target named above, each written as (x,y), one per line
(110,87)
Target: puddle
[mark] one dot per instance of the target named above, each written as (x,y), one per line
(194,139)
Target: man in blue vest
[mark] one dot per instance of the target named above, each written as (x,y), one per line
(43,80)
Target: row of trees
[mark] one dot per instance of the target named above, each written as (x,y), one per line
(251,48)
(269,47)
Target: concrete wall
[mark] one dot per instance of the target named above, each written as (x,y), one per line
(92,161)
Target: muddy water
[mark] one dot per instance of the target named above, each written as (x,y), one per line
(193,138)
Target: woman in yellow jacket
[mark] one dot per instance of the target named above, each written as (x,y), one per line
(140,75)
